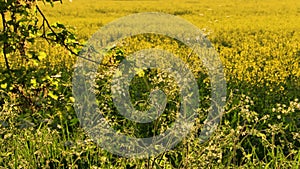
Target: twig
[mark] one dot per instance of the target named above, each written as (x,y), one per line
(59,39)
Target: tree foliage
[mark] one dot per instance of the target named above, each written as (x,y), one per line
(33,93)
(23,22)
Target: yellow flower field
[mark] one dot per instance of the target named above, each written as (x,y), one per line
(258,43)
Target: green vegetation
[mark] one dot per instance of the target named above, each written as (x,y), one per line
(258,42)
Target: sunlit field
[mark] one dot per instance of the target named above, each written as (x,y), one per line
(258,43)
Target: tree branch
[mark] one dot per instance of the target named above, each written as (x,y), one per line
(5,42)
(58,38)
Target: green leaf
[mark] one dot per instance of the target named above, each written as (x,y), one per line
(72,99)
(53,96)
(59,25)
(4,86)
(33,82)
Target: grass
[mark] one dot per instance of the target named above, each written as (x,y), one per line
(258,43)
